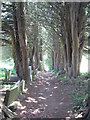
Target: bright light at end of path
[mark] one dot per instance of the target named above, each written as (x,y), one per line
(45,57)
(84,64)
(45,65)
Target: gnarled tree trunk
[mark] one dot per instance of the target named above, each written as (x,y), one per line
(73,37)
(21,48)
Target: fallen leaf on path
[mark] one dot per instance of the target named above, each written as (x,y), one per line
(36,111)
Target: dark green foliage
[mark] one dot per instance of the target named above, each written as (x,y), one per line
(81,94)
(82,89)
(2,73)
(79,98)
(13,72)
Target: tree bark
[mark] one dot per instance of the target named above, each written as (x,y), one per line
(40,57)
(72,37)
(52,59)
(22,61)
(75,39)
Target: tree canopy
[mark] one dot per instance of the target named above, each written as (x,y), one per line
(57,29)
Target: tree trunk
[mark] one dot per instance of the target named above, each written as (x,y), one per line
(75,39)
(31,55)
(52,59)
(58,55)
(41,49)
(72,28)
(58,61)
(16,46)
(21,49)
(40,68)
(62,61)
(36,51)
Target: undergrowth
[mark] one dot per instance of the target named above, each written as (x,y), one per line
(2,73)
(82,89)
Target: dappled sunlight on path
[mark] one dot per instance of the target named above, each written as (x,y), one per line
(46,98)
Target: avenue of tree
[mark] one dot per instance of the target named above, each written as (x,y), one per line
(58,29)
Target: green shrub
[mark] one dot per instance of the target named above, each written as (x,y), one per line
(79,98)
(82,90)
(2,74)
(13,72)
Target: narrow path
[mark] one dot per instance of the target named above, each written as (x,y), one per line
(46,98)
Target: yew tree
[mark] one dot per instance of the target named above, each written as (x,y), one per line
(73,28)
(13,24)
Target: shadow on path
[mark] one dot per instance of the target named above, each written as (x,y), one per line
(46,98)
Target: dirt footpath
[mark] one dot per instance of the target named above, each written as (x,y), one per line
(46,98)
